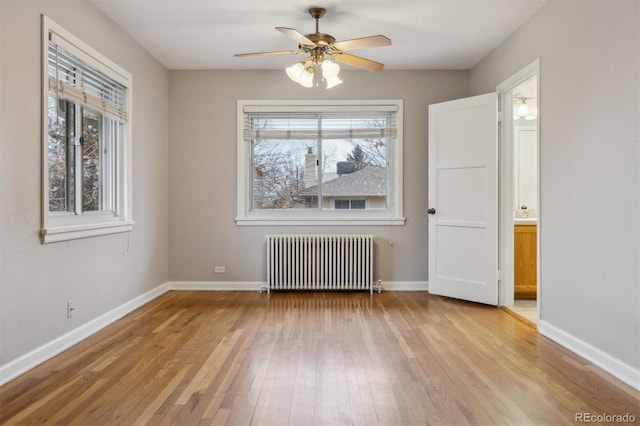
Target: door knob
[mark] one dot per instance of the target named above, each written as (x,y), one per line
(431,211)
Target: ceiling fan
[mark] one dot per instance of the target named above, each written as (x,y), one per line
(321,47)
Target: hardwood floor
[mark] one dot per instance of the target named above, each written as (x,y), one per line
(242,358)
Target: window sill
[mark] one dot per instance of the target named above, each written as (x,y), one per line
(325,221)
(74,232)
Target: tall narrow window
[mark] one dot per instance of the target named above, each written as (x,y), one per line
(320,161)
(86,179)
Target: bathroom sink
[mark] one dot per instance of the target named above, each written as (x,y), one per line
(525,221)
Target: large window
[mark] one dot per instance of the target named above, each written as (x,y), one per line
(317,162)
(86,140)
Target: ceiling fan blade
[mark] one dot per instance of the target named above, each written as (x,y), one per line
(273,52)
(361,43)
(357,62)
(296,36)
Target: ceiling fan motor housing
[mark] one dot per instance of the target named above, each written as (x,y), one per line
(321,39)
(317,12)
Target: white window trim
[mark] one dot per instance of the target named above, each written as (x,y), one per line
(58,226)
(245,217)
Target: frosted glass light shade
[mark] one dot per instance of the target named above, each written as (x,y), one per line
(312,75)
(523,110)
(306,79)
(295,72)
(330,69)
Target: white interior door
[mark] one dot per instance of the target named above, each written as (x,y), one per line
(463,199)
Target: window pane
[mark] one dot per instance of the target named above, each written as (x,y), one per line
(109,132)
(342,204)
(355,168)
(91,182)
(61,154)
(283,174)
(357,204)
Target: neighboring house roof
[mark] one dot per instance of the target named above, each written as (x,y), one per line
(370,181)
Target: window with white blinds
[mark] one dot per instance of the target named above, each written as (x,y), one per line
(86,140)
(298,161)
(76,80)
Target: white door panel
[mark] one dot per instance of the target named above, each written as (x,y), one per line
(460,180)
(463,189)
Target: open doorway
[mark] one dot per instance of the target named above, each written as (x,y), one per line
(519,194)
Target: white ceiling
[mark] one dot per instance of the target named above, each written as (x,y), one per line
(426,34)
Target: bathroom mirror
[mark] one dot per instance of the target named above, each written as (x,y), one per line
(525,167)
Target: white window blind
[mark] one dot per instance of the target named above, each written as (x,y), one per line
(76,79)
(323,125)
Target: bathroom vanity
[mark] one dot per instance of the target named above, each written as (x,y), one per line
(525,258)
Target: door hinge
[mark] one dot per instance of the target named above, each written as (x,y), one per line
(499,275)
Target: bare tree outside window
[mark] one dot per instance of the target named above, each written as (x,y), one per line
(62,150)
(61,155)
(374,150)
(278,174)
(91,182)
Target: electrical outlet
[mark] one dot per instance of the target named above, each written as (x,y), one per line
(70,308)
(220,269)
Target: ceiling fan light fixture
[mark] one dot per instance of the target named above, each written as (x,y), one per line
(306,79)
(295,71)
(329,69)
(330,72)
(308,74)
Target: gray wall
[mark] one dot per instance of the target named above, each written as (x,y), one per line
(590,173)
(203,169)
(100,273)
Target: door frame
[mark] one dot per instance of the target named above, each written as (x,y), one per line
(506,184)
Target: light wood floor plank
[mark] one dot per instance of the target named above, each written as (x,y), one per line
(237,358)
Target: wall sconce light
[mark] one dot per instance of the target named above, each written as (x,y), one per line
(522,109)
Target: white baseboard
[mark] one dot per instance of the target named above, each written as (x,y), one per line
(39,355)
(215,285)
(611,365)
(405,286)
(256,286)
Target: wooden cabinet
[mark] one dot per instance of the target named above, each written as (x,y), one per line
(525,261)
